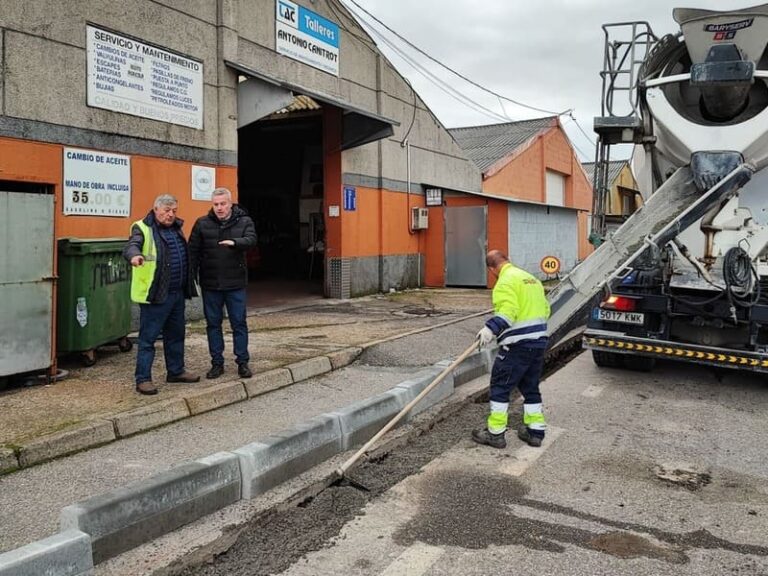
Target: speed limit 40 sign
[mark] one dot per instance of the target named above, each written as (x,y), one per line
(550,265)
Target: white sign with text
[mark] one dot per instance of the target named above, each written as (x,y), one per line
(126,75)
(306,36)
(203,182)
(96,183)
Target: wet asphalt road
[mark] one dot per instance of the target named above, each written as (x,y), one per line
(641,474)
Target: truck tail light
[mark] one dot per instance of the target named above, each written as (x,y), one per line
(621,303)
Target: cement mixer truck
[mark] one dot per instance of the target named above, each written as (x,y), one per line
(686,276)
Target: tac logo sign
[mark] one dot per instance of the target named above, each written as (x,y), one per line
(550,265)
(287,12)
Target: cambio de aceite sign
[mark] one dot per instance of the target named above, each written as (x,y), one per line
(306,36)
(129,76)
(96,183)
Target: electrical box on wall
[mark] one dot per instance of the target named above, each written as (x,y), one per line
(419,218)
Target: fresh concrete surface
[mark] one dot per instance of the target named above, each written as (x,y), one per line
(659,474)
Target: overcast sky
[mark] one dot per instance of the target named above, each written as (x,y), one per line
(547,53)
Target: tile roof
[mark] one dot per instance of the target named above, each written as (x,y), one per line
(614,169)
(486,145)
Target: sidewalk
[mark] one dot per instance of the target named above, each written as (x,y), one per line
(97,405)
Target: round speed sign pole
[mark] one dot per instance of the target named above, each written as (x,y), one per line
(550,265)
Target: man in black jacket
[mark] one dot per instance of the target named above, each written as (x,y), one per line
(217,248)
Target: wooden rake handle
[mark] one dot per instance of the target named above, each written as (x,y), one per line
(399,416)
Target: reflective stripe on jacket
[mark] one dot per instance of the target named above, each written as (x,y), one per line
(520,306)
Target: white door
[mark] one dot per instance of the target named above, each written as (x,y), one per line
(537,231)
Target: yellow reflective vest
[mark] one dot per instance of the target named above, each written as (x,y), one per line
(142,276)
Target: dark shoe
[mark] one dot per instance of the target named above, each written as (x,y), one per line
(184,378)
(243,371)
(529,439)
(215,371)
(492,440)
(146,388)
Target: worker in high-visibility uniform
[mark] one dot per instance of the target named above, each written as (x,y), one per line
(519,325)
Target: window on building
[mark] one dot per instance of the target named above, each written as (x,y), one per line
(555,188)
(627,201)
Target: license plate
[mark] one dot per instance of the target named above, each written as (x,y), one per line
(616,316)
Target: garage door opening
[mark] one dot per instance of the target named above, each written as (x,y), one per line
(280,183)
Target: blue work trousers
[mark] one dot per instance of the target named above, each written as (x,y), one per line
(166,318)
(518,366)
(214,302)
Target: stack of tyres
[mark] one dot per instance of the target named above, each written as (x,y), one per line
(93,303)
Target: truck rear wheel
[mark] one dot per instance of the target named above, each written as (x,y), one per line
(607,359)
(640,363)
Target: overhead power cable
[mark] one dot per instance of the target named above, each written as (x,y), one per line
(439,83)
(436,61)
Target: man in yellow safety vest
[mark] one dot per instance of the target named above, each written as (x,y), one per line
(160,282)
(519,325)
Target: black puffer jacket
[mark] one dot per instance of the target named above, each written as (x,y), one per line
(221,267)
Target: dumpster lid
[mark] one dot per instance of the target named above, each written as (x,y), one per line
(77,246)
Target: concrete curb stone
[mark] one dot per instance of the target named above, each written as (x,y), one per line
(473,366)
(48,447)
(216,397)
(309,368)
(8,460)
(420,381)
(126,517)
(362,420)
(65,554)
(267,381)
(344,357)
(274,459)
(151,416)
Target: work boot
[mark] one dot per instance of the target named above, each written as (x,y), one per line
(492,440)
(528,438)
(243,371)
(146,388)
(215,371)
(183,378)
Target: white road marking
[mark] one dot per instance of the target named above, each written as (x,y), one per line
(415,561)
(593,391)
(527,455)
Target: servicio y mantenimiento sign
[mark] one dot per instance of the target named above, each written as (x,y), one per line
(129,76)
(306,36)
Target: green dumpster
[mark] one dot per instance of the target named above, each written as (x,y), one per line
(94,296)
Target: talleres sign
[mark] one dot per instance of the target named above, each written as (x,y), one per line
(306,36)
(130,76)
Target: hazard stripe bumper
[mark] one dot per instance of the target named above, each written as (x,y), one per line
(622,344)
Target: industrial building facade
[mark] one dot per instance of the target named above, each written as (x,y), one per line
(105,106)
(352,182)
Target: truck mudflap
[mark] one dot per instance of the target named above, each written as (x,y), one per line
(724,357)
